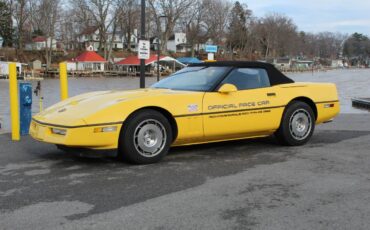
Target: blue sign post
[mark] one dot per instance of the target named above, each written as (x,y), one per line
(211,49)
(25,98)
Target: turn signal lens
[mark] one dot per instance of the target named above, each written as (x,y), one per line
(105,129)
(62,132)
(328,106)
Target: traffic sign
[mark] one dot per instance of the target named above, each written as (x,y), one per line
(144,49)
(211,49)
(211,56)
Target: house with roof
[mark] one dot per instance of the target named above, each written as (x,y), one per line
(178,43)
(337,63)
(154,41)
(87,61)
(134,40)
(40,43)
(283,63)
(90,36)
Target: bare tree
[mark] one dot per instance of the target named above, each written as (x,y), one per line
(117,14)
(21,15)
(173,10)
(195,27)
(216,26)
(129,20)
(81,14)
(202,25)
(51,10)
(45,18)
(276,33)
(69,30)
(330,44)
(100,12)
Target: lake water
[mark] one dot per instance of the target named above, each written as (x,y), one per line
(350,83)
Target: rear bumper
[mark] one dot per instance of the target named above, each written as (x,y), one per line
(79,136)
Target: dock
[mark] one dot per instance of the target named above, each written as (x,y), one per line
(361,102)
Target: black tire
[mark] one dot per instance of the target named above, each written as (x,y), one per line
(297,124)
(145,137)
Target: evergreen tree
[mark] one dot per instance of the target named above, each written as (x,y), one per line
(358,45)
(6,24)
(238,27)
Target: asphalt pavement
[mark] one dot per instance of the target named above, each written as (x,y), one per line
(248,184)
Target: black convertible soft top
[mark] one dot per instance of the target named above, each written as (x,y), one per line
(276,77)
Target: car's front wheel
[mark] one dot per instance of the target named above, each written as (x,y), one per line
(297,125)
(145,137)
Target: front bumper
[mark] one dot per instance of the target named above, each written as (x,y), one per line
(79,136)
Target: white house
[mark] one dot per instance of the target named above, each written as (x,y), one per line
(283,63)
(338,63)
(40,43)
(90,37)
(134,40)
(178,43)
(116,41)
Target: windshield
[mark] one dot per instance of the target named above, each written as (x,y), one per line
(197,78)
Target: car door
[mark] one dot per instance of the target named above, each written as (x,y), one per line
(252,110)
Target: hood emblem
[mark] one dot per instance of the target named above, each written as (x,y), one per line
(62,110)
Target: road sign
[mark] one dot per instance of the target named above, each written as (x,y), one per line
(211,56)
(211,49)
(144,49)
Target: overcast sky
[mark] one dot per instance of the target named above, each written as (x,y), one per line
(346,16)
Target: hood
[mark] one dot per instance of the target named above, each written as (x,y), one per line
(71,112)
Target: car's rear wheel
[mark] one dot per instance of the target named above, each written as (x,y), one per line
(145,137)
(297,125)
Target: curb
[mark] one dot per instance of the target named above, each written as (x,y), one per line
(4,132)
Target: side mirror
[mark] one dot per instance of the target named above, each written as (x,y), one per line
(227,88)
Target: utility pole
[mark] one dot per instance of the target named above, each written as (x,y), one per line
(142,37)
(158,48)
(159,39)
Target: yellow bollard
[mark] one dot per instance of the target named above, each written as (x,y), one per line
(63,81)
(40,104)
(14,101)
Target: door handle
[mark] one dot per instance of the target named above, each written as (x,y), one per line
(271,94)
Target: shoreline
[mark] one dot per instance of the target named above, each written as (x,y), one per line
(97,76)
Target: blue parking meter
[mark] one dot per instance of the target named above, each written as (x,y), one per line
(25,96)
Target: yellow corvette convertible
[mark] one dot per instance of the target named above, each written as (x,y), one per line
(202,103)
